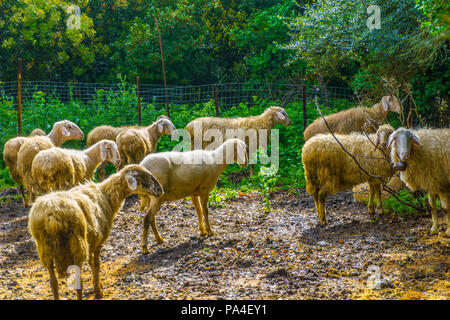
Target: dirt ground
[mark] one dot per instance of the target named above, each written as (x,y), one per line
(283,254)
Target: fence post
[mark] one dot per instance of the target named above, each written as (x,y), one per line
(19,96)
(305,122)
(216,99)
(163,67)
(138,101)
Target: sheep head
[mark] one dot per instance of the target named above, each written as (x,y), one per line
(110,152)
(391,103)
(165,126)
(279,115)
(140,181)
(68,130)
(37,132)
(383,134)
(239,152)
(401,141)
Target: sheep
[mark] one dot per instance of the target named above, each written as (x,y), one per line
(62,131)
(355,119)
(10,150)
(109,133)
(70,227)
(265,121)
(191,174)
(328,169)
(60,169)
(135,144)
(423,159)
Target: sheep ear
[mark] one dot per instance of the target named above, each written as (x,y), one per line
(103,152)
(280,116)
(160,126)
(385,103)
(391,138)
(376,142)
(131,181)
(65,132)
(415,140)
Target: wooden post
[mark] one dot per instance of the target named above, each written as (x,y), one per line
(305,122)
(19,96)
(138,101)
(216,99)
(163,67)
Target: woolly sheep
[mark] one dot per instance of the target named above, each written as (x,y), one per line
(70,227)
(135,144)
(358,119)
(60,169)
(10,151)
(62,131)
(191,174)
(423,159)
(328,169)
(266,121)
(108,133)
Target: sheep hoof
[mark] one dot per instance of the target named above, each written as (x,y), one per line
(371,211)
(210,233)
(145,250)
(98,295)
(380,211)
(434,231)
(159,241)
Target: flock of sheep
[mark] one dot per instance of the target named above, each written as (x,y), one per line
(73,216)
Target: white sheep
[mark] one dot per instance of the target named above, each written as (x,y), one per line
(328,169)
(191,174)
(423,159)
(70,227)
(263,122)
(62,131)
(60,169)
(134,144)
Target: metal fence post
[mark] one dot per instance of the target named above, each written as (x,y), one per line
(216,99)
(138,101)
(19,96)
(305,122)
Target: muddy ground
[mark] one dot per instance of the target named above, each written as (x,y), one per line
(283,254)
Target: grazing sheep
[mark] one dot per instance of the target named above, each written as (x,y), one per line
(191,174)
(423,159)
(265,121)
(10,151)
(328,169)
(109,133)
(70,227)
(135,144)
(355,119)
(62,131)
(61,169)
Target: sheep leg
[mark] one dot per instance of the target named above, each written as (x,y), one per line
(371,197)
(80,290)
(98,294)
(434,218)
(205,209)
(251,170)
(444,201)
(21,190)
(53,282)
(198,209)
(322,196)
(150,220)
(102,171)
(379,209)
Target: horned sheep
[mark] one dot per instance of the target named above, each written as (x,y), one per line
(423,159)
(328,169)
(191,174)
(360,119)
(70,227)
(60,169)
